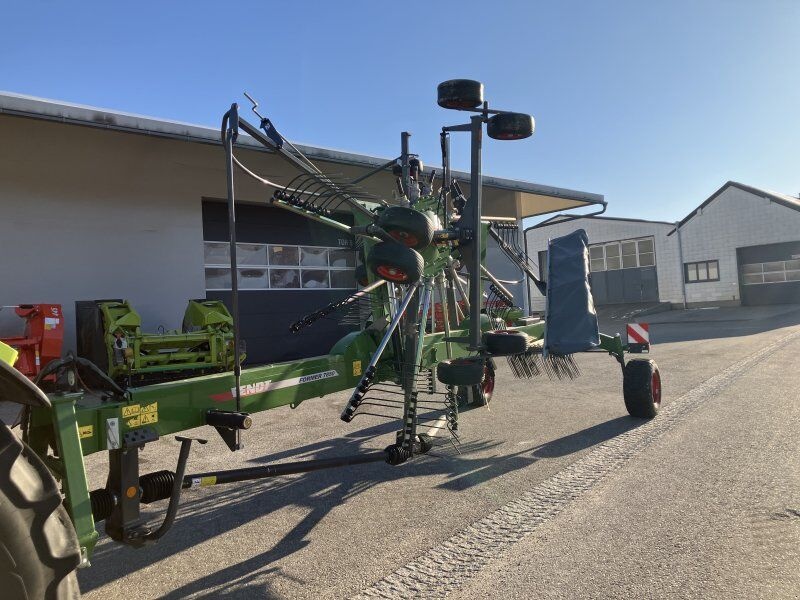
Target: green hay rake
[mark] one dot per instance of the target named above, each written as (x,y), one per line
(427,245)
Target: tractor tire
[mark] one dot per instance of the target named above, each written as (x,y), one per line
(461,94)
(396,263)
(39,550)
(641,387)
(510,126)
(476,396)
(461,371)
(408,226)
(505,343)
(361,275)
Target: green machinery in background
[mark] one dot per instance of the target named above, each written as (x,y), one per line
(110,335)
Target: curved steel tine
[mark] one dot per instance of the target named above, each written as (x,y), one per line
(316,193)
(305,189)
(331,197)
(292,185)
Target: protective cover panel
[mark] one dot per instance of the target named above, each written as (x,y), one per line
(571,321)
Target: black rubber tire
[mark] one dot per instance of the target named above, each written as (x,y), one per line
(38,547)
(505,343)
(394,262)
(460,371)
(476,396)
(460,94)
(641,388)
(510,126)
(408,226)
(361,275)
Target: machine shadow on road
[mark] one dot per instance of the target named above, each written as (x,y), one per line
(209,513)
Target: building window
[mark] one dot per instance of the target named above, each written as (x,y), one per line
(779,271)
(707,270)
(624,254)
(279,266)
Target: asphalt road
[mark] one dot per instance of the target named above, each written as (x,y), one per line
(675,504)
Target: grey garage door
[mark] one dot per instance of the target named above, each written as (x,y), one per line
(769,274)
(289,266)
(623,271)
(625,286)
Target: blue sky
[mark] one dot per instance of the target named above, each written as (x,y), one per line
(654,104)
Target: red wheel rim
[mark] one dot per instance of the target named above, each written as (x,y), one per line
(487,383)
(655,388)
(391,273)
(405,238)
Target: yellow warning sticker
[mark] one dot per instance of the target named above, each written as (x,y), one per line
(150,408)
(210,480)
(86,431)
(130,411)
(147,418)
(134,422)
(356,368)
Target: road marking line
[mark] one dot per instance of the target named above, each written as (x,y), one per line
(447,566)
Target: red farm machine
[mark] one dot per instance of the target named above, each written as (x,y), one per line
(42,336)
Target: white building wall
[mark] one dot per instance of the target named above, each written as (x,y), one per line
(600,230)
(735,219)
(90,213)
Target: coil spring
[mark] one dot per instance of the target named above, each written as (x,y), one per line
(358,394)
(410,418)
(152,487)
(102,502)
(397,455)
(156,486)
(451,407)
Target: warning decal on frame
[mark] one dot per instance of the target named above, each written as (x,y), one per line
(356,368)
(137,415)
(130,411)
(86,431)
(148,418)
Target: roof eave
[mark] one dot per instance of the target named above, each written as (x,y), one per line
(83,115)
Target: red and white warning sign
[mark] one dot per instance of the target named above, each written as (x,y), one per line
(638,333)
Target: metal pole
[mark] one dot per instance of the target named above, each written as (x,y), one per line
(680,259)
(496,282)
(291,468)
(476,185)
(446,177)
(358,394)
(406,178)
(526,299)
(445,311)
(415,339)
(459,286)
(390,329)
(237,367)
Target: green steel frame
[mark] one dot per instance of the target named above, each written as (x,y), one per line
(77,424)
